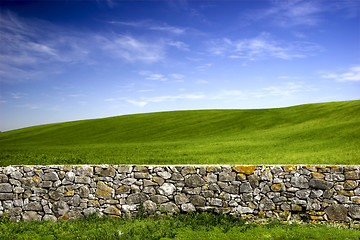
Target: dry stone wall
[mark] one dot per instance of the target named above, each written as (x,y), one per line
(316,193)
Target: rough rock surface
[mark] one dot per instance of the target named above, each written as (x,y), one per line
(322,192)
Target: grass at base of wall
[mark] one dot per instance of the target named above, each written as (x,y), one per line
(178,226)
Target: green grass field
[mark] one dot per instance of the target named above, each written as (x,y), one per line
(326,133)
(189,226)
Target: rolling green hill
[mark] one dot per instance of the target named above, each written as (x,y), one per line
(326,133)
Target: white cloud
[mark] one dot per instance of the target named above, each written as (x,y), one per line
(153,76)
(201,81)
(137,103)
(152,26)
(179,45)
(158,99)
(132,49)
(177,76)
(262,47)
(352,75)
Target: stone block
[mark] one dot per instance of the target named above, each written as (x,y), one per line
(336,212)
(5,188)
(194,180)
(167,189)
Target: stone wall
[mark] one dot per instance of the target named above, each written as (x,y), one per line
(315,193)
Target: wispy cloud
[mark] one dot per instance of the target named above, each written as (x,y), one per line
(179,45)
(262,47)
(169,98)
(351,75)
(286,89)
(290,13)
(153,76)
(151,26)
(132,49)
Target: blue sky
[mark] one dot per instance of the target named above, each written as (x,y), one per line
(72,60)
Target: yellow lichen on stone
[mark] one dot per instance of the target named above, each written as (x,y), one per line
(317,218)
(69,193)
(103,190)
(245,169)
(277,187)
(290,168)
(36,179)
(317,175)
(64,217)
(209,168)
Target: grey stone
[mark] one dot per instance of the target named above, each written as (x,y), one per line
(181,199)
(170,207)
(52,176)
(149,190)
(188,207)
(75,200)
(104,191)
(140,169)
(233,189)
(55,195)
(285,207)
(302,194)
(60,208)
(90,210)
(266,204)
(245,187)
(192,191)
(266,175)
(350,184)
(51,218)
(124,169)
(3,178)
(112,210)
(128,181)
(316,193)
(141,175)
(227,176)
(354,211)
(336,212)
(247,197)
(211,177)
(253,180)
(177,177)
(159,199)
(84,192)
(31,216)
(239,210)
(164,175)
(5,188)
(6,196)
(352,175)
(28,181)
(82,179)
(149,206)
(320,184)
(197,200)
(123,189)
(14,211)
(18,202)
(33,206)
(137,198)
(216,202)
(46,184)
(299,181)
(106,172)
(16,175)
(194,180)
(167,189)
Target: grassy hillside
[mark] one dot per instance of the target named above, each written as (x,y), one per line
(327,133)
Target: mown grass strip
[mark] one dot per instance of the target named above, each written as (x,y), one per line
(178,226)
